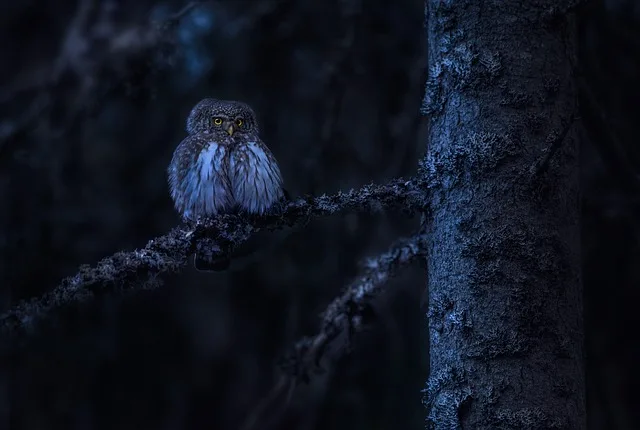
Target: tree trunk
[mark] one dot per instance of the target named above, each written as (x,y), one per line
(505,299)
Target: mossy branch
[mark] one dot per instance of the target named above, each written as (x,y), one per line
(131,271)
(345,316)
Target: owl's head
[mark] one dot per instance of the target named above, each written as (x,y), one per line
(221,116)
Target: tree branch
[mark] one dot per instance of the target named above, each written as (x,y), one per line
(348,313)
(84,59)
(170,253)
(345,316)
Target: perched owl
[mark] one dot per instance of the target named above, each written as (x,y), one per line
(223,166)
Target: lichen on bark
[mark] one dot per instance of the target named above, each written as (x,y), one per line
(504,283)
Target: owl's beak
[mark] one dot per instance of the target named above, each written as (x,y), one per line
(230,129)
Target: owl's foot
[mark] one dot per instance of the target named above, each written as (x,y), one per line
(211,265)
(286,197)
(210,256)
(278,207)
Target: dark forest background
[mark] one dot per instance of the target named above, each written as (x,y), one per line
(93,101)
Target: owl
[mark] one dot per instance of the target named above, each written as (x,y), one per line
(223,166)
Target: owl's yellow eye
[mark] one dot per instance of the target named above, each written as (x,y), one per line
(217,121)
(239,122)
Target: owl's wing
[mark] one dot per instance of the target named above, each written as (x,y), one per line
(198,177)
(255,177)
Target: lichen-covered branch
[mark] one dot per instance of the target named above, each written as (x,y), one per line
(131,271)
(345,315)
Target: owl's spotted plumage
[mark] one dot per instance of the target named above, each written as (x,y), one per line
(223,165)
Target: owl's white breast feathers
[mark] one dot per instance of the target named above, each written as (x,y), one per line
(255,177)
(214,192)
(210,161)
(204,190)
(219,179)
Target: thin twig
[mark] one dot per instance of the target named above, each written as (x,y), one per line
(541,166)
(272,406)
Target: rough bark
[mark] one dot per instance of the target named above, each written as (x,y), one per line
(505,299)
